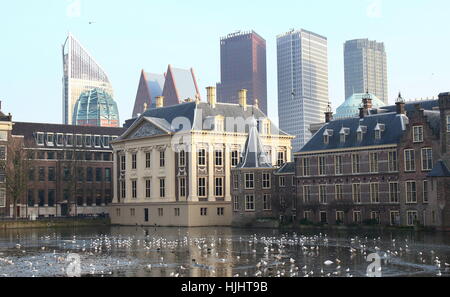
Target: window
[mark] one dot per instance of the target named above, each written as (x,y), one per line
(375,216)
(123,189)
(182,159)
(377,134)
(359,136)
(160,212)
(41,174)
(266,180)
(203,211)
(41,197)
(30,198)
(123,163)
(97,141)
(326,139)
(410,164)
(338,165)
(282,181)
(134,161)
(177,212)
(249,181)
(162,159)
(322,166)
(412,217)
(234,158)
(108,175)
(236,203)
(411,192)
(51,174)
(162,188)
(425,191)
(87,140)
(2,152)
(356,193)
(448,123)
(394,217)
(79,140)
(373,162)
(306,194)
(2,198)
(427,159)
(266,128)
(182,187)
(249,203)
(356,163)
(339,193)
(148,188)
(69,140)
(280,159)
(323,194)
(148,160)
(267,202)
(202,157)
(51,198)
(134,189)
(219,187)
(307,215)
(105,141)
(394,194)
(339,216)
(392,161)
(219,125)
(418,134)
(202,187)
(306,167)
(50,138)
(132,212)
(375,193)
(40,138)
(236,181)
(118,212)
(219,158)
(98,175)
(89,174)
(357,217)
(220,211)
(3,135)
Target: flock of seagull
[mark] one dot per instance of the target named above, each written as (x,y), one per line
(288,255)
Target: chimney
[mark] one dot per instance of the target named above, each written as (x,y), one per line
(362,113)
(243,98)
(159,101)
(400,104)
(256,103)
(328,114)
(211,94)
(367,101)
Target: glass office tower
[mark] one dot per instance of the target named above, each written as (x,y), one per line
(365,68)
(81,74)
(302,83)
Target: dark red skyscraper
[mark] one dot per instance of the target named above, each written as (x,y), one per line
(243,66)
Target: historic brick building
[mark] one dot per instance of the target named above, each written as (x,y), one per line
(375,168)
(69,169)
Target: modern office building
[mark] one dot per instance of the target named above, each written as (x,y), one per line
(350,108)
(243,65)
(365,68)
(180,85)
(151,85)
(96,108)
(81,73)
(302,82)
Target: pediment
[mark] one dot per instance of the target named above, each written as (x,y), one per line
(146,129)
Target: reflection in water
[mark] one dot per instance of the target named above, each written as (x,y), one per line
(221,252)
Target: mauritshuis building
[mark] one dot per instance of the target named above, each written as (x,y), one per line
(87,90)
(302,82)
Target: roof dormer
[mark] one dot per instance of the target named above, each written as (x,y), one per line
(344,133)
(360,132)
(326,136)
(379,129)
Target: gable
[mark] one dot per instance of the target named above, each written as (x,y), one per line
(146,129)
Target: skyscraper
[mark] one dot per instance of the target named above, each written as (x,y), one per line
(151,85)
(243,66)
(365,68)
(302,83)
(81,74)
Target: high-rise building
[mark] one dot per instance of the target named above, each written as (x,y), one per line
(365,68)
(151,85)
(81,73)
(243,66)
(302,83)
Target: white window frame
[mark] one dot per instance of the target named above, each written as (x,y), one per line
(426,149)
(339,195)
(266,181)
(322,165)
(201,157)
(43,138)
(148,188)
(356,193)
(409,192)
(394,196)
(218,158)
(323,194)
(417,134)
(249,202)
(202,187)
(267,202)
(182,187)
(2,198)
(182,158)
(425,192)
(219,187)
(282,181)
(162,188)
(374,193)
(307,194)
(236,203)
(249,181)
(412,163)
(413,213)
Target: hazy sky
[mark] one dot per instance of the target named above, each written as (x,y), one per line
(128,36)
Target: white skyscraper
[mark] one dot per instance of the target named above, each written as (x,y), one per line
(302,83)
(81,74)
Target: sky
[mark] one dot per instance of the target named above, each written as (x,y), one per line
(127,36)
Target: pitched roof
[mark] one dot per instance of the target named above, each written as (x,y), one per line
(394,125)
(151,85)
(254,154)
(180,84)
(287,168)
(440,170)
(411,106)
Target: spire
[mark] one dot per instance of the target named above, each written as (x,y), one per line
(254,154)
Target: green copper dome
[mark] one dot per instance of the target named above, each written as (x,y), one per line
(350,108)
(96,108)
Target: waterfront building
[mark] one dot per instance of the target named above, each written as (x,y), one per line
(69,169)
(302,82)
(96,108)
(6,126)
(382,167)
(365,68)
(243,65)
(81,73)
(173,164)
(151,85)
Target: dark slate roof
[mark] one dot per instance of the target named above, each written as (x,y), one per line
(198,113)
(254,154)
(393,131)
(411,106)
(434,119)
(440,170)
(287,168)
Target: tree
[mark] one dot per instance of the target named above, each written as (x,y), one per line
(16,168)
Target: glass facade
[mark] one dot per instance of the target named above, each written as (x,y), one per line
(81,74)
(302,83)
